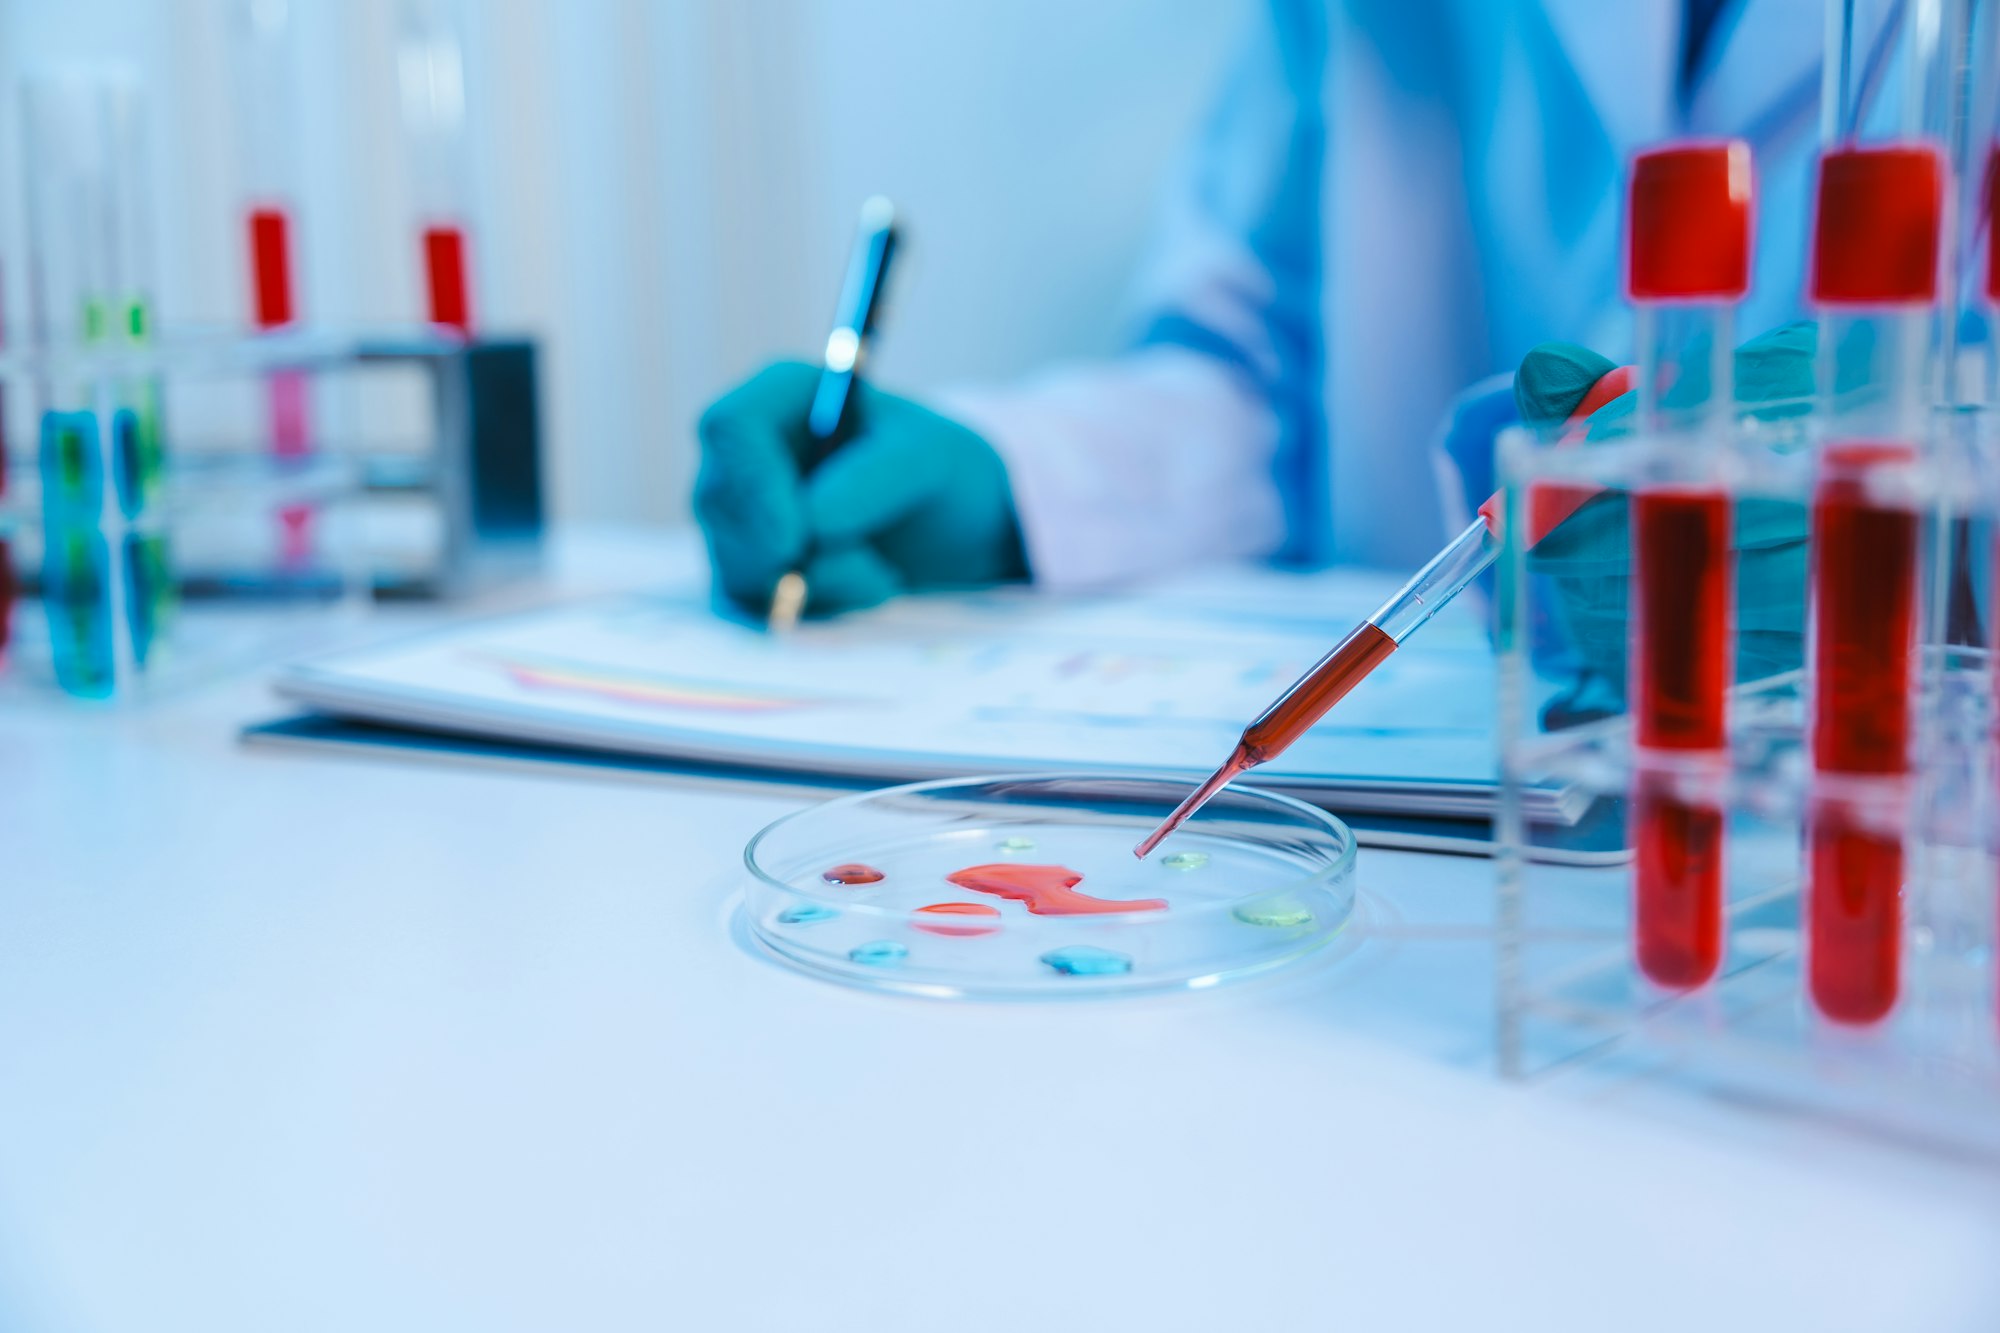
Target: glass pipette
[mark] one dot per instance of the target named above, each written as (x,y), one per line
(1367,647)
(1467,556)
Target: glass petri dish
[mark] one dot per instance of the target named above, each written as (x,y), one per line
(1049,901)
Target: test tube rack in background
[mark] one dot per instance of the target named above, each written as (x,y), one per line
(177,499)
(1807,909)
(120,587)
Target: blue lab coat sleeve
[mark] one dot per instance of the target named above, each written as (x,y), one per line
(1204,439)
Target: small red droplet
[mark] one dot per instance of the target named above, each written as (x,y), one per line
(957,909)
(853,873)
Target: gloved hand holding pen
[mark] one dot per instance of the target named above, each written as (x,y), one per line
(912,500)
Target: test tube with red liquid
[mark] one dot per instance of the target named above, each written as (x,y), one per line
(1874,282)
(431,76)
(1993,249)
(261,45)
(1688,264)
(1990,207)
(8,591)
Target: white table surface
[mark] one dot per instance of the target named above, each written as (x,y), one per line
(303,1043)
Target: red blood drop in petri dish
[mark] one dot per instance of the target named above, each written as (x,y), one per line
(852,873)
(1047,890)
(960,927)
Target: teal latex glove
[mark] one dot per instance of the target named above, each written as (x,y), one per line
(911,500)
(1588,557)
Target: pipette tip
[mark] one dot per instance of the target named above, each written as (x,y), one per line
(1199,797)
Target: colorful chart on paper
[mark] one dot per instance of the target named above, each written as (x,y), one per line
(1154,682)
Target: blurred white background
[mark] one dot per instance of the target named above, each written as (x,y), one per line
(664,190)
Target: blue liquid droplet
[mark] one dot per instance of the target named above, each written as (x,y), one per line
(805,915)
(1085,960)
(879,953)
(1185,860)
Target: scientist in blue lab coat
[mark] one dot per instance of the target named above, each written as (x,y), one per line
(1393,203)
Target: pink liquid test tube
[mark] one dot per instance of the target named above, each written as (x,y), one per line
(261,47)
(1688,265)
(1874,281)
(272,306)
(431,75)
(286,390)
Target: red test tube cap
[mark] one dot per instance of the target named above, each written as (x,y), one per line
(1876,226)
(1689,223)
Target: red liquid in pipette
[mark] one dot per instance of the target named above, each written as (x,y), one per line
(1369,645)
(444,266)
(1680,668)
(1350,663)
(1864,579)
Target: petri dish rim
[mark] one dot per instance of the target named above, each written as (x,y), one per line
(1333,871)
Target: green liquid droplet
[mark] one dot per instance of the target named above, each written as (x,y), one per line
(1185,860)
(1016,843)
(1279,913)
